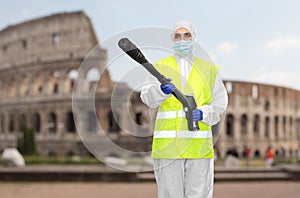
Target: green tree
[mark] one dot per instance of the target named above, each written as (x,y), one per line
(26,143)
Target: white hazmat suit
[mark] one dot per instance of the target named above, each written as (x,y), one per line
(185,178)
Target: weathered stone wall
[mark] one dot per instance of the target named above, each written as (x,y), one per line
(52,38)
(259,116)
(39,62)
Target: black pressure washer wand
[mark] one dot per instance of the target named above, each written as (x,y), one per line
(188,102)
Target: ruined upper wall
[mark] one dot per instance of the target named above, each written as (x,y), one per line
(269,91)
(52,38)
(252,93)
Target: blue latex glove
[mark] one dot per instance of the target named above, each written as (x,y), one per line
(167,88)
(197,115)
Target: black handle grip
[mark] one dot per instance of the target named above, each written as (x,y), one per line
(188,104)
(127,46)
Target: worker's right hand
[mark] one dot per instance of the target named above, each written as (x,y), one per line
(167,88)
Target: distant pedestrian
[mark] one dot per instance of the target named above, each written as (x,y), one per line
(247,154)
(282,152)
(270,157)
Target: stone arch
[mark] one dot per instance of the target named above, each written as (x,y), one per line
(6,88)
(256,124)
(92,74)
(70,153)
(113,119)
(244,124)
(70,80)
(23,85)
(1,87)
(54,82)
(92,77)
(257,154)
(232,151)
(22,121)
(267,105)
(11,123)
(284,126)
(4,48)
(2,121)
(24,43)
(291,126)
(12,89)
(91,121)
(52,153)
(139,118)
(298,128)
(276,126)
(267,127)
(277,153)
(37,84)
(70,123)
(290,152)
(55,38)
(36,122)
(52,122)
(230,125)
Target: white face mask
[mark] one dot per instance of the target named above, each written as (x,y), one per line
(182,47)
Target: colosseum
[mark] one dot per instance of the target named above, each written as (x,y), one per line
(39,62)
(258,116)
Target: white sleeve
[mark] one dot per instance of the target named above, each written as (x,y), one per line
(213,111)
(151,93)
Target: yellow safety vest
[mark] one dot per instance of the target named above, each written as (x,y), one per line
(171,138)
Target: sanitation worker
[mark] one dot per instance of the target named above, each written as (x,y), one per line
(184,160)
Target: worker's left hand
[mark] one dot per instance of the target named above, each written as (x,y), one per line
(197,115)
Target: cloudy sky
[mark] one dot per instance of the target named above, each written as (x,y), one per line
(256,40)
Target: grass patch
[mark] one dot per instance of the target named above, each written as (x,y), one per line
(35,160)
(261,162)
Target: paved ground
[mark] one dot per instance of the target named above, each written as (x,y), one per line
(143,190)
(77,173)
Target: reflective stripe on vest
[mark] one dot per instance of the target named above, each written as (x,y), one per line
(182,134)
(170,114)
